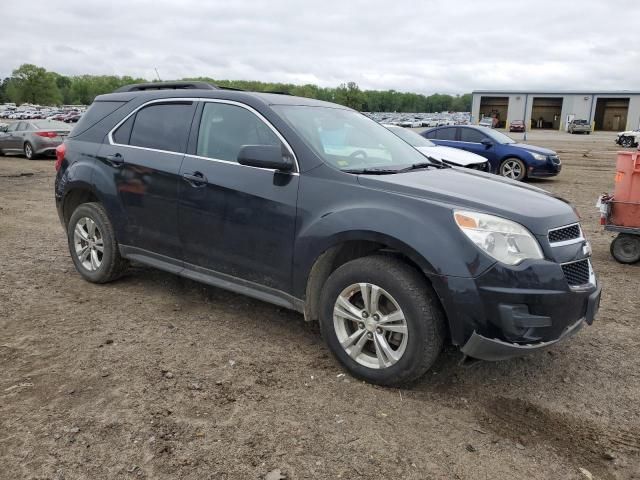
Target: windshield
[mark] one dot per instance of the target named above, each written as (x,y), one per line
(580,122)
(348,140)
(499,137)
(412,138)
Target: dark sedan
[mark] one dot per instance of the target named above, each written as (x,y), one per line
(507,157)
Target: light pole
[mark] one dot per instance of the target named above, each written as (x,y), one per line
(526,100)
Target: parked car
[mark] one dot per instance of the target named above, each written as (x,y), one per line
(486,122)
(33,138)
(448,155)
(314,207)
(73,118)
(506,156)
(629,138)
(516,126)
(579,126)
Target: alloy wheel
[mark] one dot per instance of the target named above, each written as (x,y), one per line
(370,325)
(512,169)
(28,151)
(88,244)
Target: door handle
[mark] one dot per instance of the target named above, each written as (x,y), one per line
(195,179)
(116,160)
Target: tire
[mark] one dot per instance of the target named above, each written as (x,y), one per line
(626,142)
(422,318)
(513,168)
(107,265)
(29,152)
(625,248)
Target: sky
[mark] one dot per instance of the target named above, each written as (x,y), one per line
(423,46)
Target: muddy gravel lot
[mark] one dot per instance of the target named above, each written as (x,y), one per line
(155,376)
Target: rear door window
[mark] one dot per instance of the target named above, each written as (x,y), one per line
(163,126)
(471,135)
(446,134)
(225,129)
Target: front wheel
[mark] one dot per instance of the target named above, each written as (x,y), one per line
(625,248)
(381,320)
(93,246)
(513,168)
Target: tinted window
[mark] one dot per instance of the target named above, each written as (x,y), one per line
(446,134)
(225,129)
(96,112)
(471,135)
(12,127)
(430,134)
(123,133)
(21,126)
(162,127)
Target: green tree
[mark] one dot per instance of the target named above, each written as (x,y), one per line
(33,84)
(349,95)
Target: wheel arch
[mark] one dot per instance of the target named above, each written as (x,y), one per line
(348,246)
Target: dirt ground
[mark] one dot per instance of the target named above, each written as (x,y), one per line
(155,376)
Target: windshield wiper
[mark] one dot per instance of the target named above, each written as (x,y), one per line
(372,171)
(433,162)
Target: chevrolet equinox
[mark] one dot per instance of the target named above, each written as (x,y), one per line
(314,207)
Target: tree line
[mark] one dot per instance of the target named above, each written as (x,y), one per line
(32,84)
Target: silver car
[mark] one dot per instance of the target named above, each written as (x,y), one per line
(33,138)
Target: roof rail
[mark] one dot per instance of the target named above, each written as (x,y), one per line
(140,87)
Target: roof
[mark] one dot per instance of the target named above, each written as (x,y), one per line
(557,92)
(237,95)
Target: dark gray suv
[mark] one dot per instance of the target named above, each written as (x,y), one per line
(314,207)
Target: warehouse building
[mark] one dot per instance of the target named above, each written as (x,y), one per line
(612,110)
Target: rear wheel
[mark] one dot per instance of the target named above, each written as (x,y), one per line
(93,246)
(513,168)
(381,320)
(625,248)
(29,152)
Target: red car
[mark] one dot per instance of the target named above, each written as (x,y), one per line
(516,126)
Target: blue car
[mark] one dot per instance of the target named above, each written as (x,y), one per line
(507,157)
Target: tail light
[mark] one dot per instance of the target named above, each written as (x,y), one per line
(47,134)
(61,151)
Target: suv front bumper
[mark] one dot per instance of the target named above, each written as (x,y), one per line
(511,311)
(492,349)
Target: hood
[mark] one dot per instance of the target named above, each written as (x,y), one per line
(533,148)
(629,132)
(533,207)
(452,155)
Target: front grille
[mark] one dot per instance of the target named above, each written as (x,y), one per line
(564,233)
(577,273)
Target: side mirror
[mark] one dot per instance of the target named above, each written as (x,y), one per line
(487,143)
(265,156)
(4,129)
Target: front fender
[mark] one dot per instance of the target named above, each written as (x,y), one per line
(422,231)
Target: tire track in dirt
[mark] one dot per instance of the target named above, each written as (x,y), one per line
(581,442)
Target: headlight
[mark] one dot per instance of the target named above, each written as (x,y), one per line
(506,241)
(539,156)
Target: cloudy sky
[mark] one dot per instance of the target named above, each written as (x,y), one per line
(422,46)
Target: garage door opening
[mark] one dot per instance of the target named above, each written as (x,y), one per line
(611,114)
(545,112)
(495,107)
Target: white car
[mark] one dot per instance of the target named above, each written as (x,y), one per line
(448,155)
(486,122)
(630,138)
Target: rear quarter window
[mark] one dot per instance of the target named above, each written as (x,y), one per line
(96,112)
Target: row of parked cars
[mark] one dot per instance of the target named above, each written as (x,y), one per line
(417,120)
(71,116)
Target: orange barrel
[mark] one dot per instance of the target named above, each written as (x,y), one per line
(626,205)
